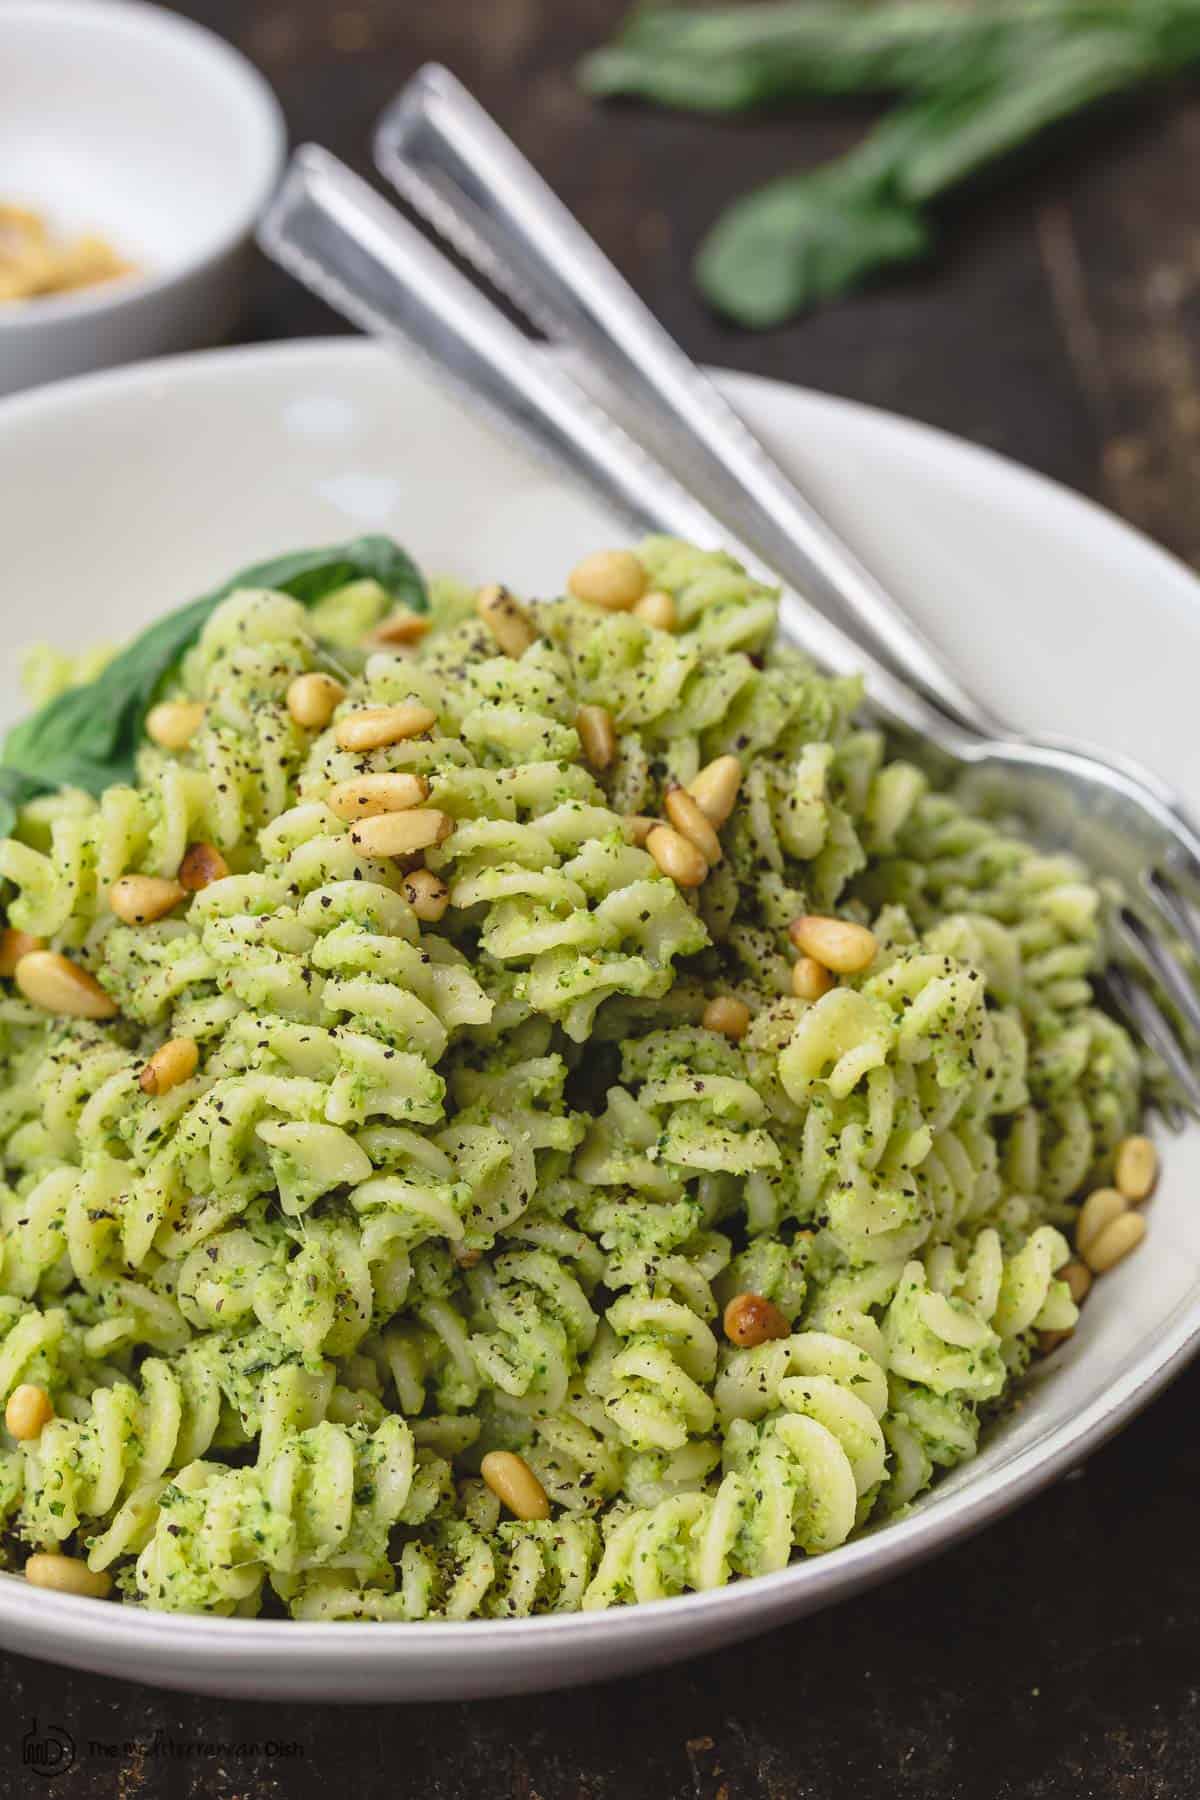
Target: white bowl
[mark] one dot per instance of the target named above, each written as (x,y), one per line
(1032,589)
(130,122)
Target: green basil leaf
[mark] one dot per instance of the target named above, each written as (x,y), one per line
(88,736)
(802,239)
(979,81)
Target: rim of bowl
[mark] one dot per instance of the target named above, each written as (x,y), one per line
(255,92)
(65,1624)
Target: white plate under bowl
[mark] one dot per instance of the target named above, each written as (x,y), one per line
(130,492)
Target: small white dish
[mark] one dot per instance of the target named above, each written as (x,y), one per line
(1032,589)
(131,123)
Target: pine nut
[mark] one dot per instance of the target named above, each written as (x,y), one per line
(174,723)
(1078,1278)
(597,735)
(515,1485)
(401,627)
(400,833)
(66,1575)
(173,1062)
(29,1409)
(810,979)
(13,946)
(464,1258)
(508,623)
(374,727)
(716,788)
(58,985)
(751,1320)
(836,944)
(141,899)
(1095,1215)
(638,827)
(1136,1168)
(614,579)
(687,817)
(313,699)
(426,894)
(729,1016)
(202,865)
(676,856)
(657,609)
(368,795)
(1048,1341)
(1115,1242)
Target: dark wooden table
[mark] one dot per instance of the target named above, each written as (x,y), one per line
(1059,1654)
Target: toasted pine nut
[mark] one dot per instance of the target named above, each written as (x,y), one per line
(400,833)
(810,979)
(728,1015)
(313,699)
(141,899)
(1136,1168)
(515,1485)
(202,865)
(374,727)
(716,788)
(687,817)
(836,944)
(638,827)
(426,894)
(401,627)
(657,609)
(751,1320)
(677,856)
(1115,1242)
(464,1258)
(29,1409)
(597,735)
(58,985)
(368,795)
(614,579)
(172,1062)
(1048,1341)
(508,623)
(1078,1278)
(13,946)
(1095,1215)
(174,723)
(66,1575)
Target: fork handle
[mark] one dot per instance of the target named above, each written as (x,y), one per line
(346,243)
(451,160)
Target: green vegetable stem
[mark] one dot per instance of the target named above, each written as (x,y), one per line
(977,82)
(88,736)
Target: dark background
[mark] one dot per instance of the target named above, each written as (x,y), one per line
(1059,1654)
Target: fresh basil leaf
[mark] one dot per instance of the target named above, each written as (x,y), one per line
(978,81)
(801,239)
(731,59)
(88,736)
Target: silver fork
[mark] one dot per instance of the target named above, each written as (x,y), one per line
(345,242)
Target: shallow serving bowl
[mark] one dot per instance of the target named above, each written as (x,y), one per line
(128,493)
(131,123)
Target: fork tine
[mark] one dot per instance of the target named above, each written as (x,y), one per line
(1148,1020)
(1172,907)
(1160,966)
(1174,1115)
